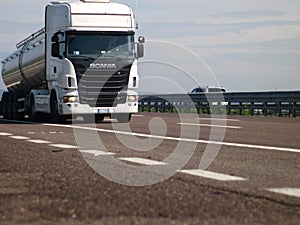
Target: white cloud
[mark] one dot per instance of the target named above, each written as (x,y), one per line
(253,76)
(261,34)
(213,12)
(26,11)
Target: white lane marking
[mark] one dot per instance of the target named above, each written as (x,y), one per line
(19,137)
(261,147)
(39,141)
(30,132)
(52,132)
(295,192)
(97,152)
(136,115)
(216,119)
(146,162)
(212,175)
(64,146)
(5,134)
(209,125)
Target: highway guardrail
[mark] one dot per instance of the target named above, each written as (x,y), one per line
(276,103)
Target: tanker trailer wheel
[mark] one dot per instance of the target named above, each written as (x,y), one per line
(5,104)
(33,115)
(16,115)
(9,105)
(55,117)
(14,108)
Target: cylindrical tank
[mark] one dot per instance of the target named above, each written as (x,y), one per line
(25,68)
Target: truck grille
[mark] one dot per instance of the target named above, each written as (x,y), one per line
(102,87)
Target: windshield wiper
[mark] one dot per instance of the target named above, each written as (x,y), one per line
(113,56)
(83,57)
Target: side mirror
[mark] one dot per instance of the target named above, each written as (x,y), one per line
(56,50)
(140,47)
(55,38)
(141,40)
(140,50)
(56,44)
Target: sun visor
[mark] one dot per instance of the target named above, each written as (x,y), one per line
(101,20)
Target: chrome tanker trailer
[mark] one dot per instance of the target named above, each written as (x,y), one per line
(83,63)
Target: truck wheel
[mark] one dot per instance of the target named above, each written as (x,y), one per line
(32,112)
(123,117)
(55,117)
(99,118)
(4,104)
(16,115)
(9,108)
(14,108)
(91,118)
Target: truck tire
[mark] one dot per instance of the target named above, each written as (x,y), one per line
(122,117)
(16,115)
(14,107)
(55,117)
(32,112)
(91,118)
(4,104)
(9,108)
(99,118)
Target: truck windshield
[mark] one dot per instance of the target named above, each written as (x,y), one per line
(100,44)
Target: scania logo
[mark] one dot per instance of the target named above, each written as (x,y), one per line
(103,66)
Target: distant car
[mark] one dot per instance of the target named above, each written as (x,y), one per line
(208,89)
(198,90)
(215,89)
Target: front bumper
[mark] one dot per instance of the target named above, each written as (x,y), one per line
(84,109)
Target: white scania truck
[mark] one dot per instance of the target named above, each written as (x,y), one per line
(83,63)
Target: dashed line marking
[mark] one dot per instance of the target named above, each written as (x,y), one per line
(43,132)
(64,146)
(294,192)
(19,137)
(146,162)
(39,141)
(5,134)
(250,146)
(217,119)
(209,125)
(136,115)
(212,175)
(97,152)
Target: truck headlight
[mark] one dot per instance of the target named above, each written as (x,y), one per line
(132,98)
(70,99)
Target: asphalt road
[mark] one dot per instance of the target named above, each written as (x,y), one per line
(162,169)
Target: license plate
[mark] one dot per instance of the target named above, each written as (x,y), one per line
(99,111)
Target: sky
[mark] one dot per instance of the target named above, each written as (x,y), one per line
(243,45)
